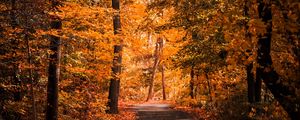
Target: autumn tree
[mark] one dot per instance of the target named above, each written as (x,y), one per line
(249,66)
(54,69)
(219,17)
(163,82)
(157,54)
(25,54)
(212,50)
(86,44)
(266,72)
(117,62)
(20,39)
(53,74)
(10,68)
(163,78)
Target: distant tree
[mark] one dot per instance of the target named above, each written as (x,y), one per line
(157,54)
(163,81)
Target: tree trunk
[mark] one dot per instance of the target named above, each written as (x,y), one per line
(197,86)
(264,46)
(208,85)
(281,92)
(162,69)
(163,81)
(250,82)
(53,73)
(114,87)
(88,102)
(192,83)
(257,85)
(13,14)
(29,60)
(149,40)
(17,82)
(249,67)
(156,59)
(34,117)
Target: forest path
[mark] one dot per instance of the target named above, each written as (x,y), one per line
(159,112)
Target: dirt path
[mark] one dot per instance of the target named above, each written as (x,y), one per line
(159,112)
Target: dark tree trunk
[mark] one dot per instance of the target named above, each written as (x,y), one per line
(250,82)
(17,82)
(13,14)
(34,116)
(249,67)
(53,73)
(27,32)
(114,87)
(281,92)
(192,74)
(257,85)
(163,81)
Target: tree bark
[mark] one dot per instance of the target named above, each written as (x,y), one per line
(88,101)
(29,60)
(282,93)
(163,81)
(249,67)
(257,85)
(114,87)
(115,81)
(156,59)
(208,85)
(250,82)
(53,73)
(13,14)
(162,70)
(17,82)
(34,116)
(192,74)
(197,86)
(149,40)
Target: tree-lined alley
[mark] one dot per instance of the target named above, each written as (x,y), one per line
(95,59)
